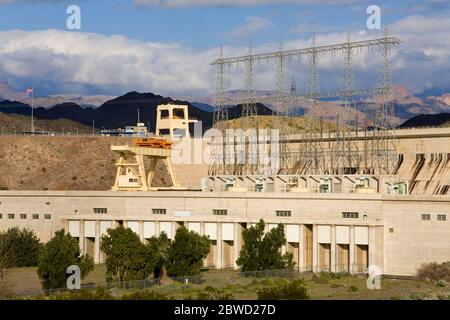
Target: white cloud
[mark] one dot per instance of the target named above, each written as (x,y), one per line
(252,25)
(210,3)
(72,60)
(88,59)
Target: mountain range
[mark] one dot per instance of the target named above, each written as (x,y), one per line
(117,112)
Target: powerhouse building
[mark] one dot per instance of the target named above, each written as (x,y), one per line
(333,222)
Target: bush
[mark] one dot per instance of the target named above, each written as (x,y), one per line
(146,295)
(417,296)
(289,290)
(442,283)
(353,288)
(434,271)
(321,278)
(210,293)
(85,294)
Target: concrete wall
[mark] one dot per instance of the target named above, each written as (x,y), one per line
(400,252)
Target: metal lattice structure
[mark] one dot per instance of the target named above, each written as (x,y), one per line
(345,155)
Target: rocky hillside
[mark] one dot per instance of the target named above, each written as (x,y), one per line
(61,163)
(14,123)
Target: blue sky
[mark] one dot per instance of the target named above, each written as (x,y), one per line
(172,30)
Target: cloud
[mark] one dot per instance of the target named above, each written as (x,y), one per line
(104,62)
(211,3)
(74,61)
(252,25)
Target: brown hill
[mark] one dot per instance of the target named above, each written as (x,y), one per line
(61,163)
(10,123)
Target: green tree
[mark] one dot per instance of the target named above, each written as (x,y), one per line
(59,253)
(22,246)
(263,251)
(159,252)
(127,258)
(186,253)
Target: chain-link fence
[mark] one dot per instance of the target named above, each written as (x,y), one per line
(216,278)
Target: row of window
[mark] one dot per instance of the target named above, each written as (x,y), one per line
(440,217)
(279,213)
(23,216)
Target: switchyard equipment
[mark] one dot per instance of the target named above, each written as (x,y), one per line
(345,155)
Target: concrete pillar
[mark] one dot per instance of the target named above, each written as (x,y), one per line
(81,239)
(333,249)
(141,230)
(284,246)
(351,249)
(202,228)
(219,257)
(157,228)
(315,256)
(376,246)
(301,248)
(237,243)
(97,242)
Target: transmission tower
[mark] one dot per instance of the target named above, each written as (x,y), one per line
(346,150)
(220,109)
(311,153)
(385,155)
(249,107)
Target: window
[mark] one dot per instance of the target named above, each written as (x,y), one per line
(283,213)
(23,216)
(133,180)
(47,216)
(391,230)
(426,217)
(159,211)
(100,210)
(220,212)
(35,216)
(442,217)
(10,215)
(350,215)
(1,215)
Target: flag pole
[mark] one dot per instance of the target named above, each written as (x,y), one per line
(32,109)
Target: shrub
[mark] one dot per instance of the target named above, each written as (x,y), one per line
(321,278)
(434,271)
(145,295)
(210,293)
(353,288)
(417,296)
(442,283)
(289,290)
(85,294)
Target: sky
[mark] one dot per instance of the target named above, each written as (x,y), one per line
(166,46)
